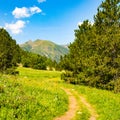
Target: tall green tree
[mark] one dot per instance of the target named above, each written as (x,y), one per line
(95,54)
(108,15)
(9,51)
(107,23)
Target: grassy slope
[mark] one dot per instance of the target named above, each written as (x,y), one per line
(106,103)
(44,47)
(37,95)
(31,96)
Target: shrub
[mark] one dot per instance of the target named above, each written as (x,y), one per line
(117,86)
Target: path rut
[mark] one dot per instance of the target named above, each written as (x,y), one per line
(90,108)
(73,106)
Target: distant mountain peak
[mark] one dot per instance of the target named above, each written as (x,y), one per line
(46,48)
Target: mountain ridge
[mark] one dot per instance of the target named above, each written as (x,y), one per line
(46,48)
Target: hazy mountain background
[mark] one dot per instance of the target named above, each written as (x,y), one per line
(45,48)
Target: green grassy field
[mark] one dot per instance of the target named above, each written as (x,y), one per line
(31,96)
(106,103)
(37,95)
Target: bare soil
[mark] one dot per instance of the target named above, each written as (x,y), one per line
(73,107)
(90,108)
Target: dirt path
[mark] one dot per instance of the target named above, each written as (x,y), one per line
(73,106)
(90,108)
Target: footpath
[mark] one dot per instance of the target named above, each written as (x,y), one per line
(74,106)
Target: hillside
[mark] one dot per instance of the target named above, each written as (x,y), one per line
(41,95)
(46,48)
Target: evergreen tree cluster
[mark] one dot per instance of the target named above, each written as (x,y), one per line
(94,57)
(11,55)
(35,61)
(9,52)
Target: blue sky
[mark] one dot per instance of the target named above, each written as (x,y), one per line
(53,20)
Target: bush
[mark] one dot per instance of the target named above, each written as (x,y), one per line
(11,71)
(69,77)
(117,86)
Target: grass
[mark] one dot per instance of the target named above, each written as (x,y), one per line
(31,96)
(37,95)
(106,103)
(82,112)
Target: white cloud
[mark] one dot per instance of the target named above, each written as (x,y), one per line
(15,28)
(35,9)
(25,12)
(21,12)
(41,1)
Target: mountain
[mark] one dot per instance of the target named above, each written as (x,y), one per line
(45,48)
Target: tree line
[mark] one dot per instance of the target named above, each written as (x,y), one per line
(94,57)
(11,55)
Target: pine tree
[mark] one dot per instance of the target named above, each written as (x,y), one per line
(9,51)
(108,16)
(95,54)
(107,23)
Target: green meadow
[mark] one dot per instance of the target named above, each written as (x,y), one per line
(31,96)
(106,103)
(37,95)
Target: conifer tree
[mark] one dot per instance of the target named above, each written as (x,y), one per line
(94,56)
(107,23)
(9,52)
(108,16)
